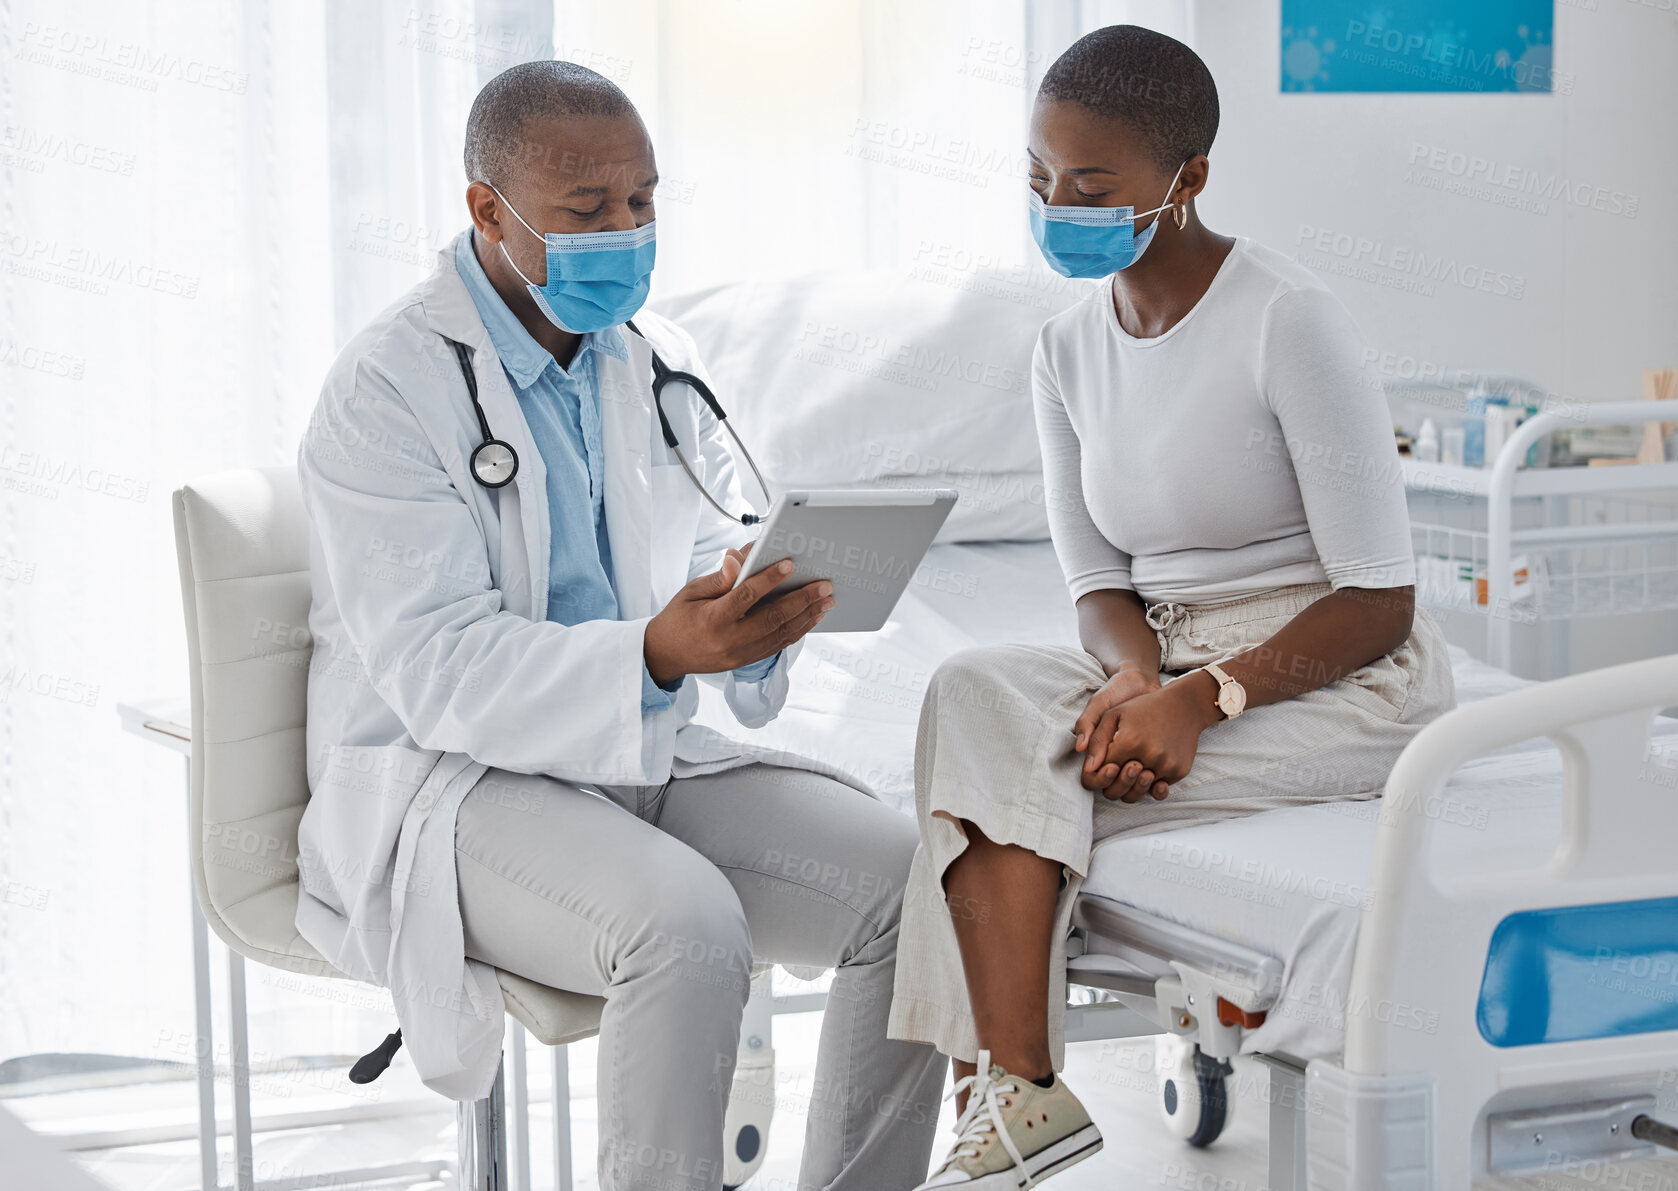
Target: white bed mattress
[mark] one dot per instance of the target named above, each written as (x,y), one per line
(1290,883)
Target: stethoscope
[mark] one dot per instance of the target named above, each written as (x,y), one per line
(494,463)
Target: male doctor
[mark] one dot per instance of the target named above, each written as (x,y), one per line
(504,674)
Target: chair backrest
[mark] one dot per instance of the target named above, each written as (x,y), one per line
(242,538)
(242,541)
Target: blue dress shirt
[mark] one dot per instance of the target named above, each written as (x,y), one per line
(562,407)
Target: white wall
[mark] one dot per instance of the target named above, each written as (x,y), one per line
(1588,297)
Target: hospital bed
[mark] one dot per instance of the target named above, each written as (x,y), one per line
(1475,975)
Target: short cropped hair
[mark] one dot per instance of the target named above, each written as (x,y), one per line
(522,95)
(1154,84)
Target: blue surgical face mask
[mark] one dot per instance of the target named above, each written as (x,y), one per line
(595,279)
(1092,241)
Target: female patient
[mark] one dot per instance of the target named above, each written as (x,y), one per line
(1226,501)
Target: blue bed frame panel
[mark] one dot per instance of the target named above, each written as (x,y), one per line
(1581,972)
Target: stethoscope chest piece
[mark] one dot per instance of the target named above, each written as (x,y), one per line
(494,463)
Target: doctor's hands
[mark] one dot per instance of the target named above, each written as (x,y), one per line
(711,627)
(1138,745)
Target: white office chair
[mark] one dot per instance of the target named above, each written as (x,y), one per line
(243,546)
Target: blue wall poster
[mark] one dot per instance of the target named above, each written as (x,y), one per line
(1418,45)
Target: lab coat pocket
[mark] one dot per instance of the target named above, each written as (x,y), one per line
(358,798)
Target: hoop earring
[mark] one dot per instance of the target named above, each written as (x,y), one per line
(1181,215)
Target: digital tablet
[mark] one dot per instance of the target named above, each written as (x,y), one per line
(868,543)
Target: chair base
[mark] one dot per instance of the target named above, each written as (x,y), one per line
(483,1139)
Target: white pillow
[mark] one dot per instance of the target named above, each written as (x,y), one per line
(867,380)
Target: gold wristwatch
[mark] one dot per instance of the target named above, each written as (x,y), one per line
(1232,696)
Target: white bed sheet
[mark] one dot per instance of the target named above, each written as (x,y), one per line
(1290,883)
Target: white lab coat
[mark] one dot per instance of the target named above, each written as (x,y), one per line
(433,660)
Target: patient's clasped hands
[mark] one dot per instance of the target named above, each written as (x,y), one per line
(711,626)
(1138,737)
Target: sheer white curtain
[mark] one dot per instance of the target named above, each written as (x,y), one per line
(200,201)
(160,272)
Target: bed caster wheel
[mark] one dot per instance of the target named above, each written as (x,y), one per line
(1193,1093)
(751,1104)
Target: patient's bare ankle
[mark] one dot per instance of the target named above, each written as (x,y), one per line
(1027,1062)
(1027,1058)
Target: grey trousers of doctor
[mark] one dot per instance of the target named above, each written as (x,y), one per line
(658,899)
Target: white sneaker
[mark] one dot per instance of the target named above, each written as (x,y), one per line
(1014,1134)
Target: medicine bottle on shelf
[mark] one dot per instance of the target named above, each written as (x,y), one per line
(1427,442)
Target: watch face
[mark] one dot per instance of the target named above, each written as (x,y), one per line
(1232,699)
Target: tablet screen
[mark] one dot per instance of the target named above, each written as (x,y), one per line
(868,543)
